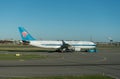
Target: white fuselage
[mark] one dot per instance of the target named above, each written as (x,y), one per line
(57,44)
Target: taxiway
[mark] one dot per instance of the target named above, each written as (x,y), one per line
(104,62)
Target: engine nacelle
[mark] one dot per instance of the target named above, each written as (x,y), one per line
(77,49)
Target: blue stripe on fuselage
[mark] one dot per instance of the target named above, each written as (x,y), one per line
(70,44)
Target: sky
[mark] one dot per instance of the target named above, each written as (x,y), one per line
(96,20)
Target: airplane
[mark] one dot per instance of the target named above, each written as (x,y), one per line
(59,45)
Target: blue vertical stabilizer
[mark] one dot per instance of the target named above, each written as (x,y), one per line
(25,35)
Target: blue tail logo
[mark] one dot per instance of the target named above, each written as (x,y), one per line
(24,34)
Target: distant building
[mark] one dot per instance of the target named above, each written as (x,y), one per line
(108,43)
(6,42)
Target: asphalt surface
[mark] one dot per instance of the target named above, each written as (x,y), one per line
(104,62)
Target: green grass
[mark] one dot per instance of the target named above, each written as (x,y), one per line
(67,77)
(28,48)
(23,48)
(22,56)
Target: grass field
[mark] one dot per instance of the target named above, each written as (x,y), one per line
(21,56)
(24,48)
(27,48)
(67,77)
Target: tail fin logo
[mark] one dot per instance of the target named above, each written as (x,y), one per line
(24,34)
